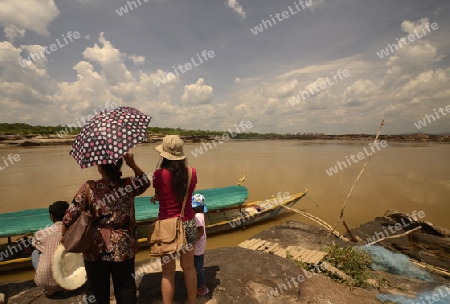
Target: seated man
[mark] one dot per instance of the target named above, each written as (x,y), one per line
(45,241)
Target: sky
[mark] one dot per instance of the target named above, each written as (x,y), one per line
(326,66)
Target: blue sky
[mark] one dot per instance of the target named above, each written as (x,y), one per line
(119,59)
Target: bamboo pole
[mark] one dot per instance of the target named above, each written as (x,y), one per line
(394,236)
(352,238)
(356,181)
(318,221)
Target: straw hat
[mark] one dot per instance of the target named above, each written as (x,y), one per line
(68,268)
(171,148)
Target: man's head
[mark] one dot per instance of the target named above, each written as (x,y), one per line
(57,210)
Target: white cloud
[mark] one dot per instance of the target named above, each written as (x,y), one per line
(410,27)
(405,86)
(34,15)
(235,6)
(110,59)
(315,4)
(12,32)
(31,90)
(197,93)
(137,59)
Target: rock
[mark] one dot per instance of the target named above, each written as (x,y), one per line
(259,278)
(299,234)
(373,282)
(238,275)
(2,298)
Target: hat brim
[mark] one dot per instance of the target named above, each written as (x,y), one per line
(167,154)
(68,269)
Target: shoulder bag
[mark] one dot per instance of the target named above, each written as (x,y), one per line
(79,235)
(167,236)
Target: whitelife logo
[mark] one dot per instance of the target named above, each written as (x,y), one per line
(423,122)
(280,17)
(53,47)
(220,140)
(318,87)
(84,119)
(11,159)
(124,9)
(187,66)
(360,156)
(392,48)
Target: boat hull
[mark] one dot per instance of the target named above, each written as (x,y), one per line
(235,217)
(217,221)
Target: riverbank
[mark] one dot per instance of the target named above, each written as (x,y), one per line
(238,275)
(18,140)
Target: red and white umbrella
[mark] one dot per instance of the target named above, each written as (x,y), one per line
(109,135)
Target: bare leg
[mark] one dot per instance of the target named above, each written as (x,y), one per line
(190,276)
(168,281)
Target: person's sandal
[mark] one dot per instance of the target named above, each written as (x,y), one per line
(204,293)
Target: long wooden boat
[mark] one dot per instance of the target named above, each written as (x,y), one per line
(235,217)
(227,210)
(224,219)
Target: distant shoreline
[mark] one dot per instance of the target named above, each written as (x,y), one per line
(30,140)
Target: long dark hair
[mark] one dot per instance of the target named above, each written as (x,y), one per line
(113,170)
(179,176)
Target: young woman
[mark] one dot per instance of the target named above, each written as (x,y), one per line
(114,244)
(171,183)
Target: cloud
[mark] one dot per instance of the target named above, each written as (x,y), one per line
(235,6)
(412,59)
(197,93)
(34,15)
(110,60)
(32,90)
(12,32)
(137,59)
(410,27)
(315,4)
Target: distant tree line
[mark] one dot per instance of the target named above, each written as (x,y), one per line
(26,129)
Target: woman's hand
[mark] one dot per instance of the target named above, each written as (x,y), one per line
(129,160)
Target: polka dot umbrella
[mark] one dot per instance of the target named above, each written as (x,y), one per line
(109,135)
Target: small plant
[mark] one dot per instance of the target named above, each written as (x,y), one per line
(353,262)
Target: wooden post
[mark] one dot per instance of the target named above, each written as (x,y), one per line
(352,238)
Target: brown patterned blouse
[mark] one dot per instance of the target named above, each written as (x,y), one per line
(115,235)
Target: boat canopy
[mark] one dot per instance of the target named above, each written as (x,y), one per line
(31,220)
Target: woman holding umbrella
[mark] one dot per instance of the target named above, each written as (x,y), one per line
(114,244)
(171,183)
(104,141)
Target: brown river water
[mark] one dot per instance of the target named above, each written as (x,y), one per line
(402,176)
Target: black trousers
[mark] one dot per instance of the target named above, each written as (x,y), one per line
(98,278)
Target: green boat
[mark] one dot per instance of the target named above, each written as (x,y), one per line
(227,210)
